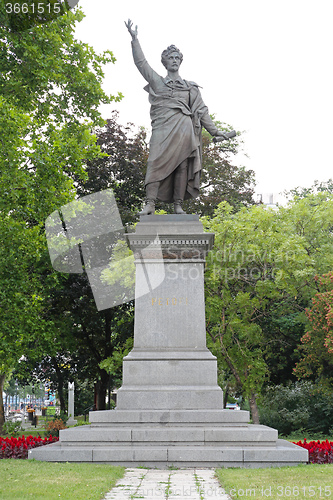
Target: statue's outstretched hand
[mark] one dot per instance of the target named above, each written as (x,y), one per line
(134,33)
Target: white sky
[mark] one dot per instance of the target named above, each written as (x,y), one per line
(265,67)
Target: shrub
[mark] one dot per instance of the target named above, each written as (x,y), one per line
(18,447)
(12,428)
(319,452)
(54,426)
(299,406)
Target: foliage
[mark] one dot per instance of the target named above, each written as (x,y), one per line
(256,265)
(319,452)
(122,170)
(54,426)
(21,16)
(50,91)
(317,344)
(301,406)
(84,396)
(259,281)
(113,364)
(317,187)
(311,219)
(82,337)
(12,428)
(18,447)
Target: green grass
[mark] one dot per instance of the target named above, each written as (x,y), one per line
(298,482)
(309,436)
(26,479)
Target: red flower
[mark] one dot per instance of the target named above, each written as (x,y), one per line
(319,452)
(18,448)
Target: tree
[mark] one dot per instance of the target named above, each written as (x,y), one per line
(82,337)
(101,336)
(95,335)
(260,282)
(317,187)
(122,170)
(316,347)
(256,265)
(20,299)
(50,90)
(311,218)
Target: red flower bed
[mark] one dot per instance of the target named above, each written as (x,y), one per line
(18,447)
(319,452)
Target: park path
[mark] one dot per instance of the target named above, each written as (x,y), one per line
(153,484)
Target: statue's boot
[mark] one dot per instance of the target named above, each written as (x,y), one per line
(180,183)
(178,207)
(151,192)
(149,208)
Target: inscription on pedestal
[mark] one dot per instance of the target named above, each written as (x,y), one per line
(173,301)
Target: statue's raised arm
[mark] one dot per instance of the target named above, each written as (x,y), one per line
(139,58)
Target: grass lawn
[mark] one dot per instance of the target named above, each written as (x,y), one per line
(26,479)
(302,481)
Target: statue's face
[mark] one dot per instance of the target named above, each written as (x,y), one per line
(172,61)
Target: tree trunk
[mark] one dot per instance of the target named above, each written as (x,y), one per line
(2,412)
(254,409)
(101,389)
(225,397)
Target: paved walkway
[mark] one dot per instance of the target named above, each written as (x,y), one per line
(183,484)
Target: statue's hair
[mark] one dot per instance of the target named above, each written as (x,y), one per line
(168,51)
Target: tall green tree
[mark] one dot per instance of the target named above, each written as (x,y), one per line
(50,90)
(84,337)
(258,265)
(259,283)
(122,170)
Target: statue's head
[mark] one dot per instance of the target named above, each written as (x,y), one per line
(167,52)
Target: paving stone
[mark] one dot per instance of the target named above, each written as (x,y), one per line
(152,484)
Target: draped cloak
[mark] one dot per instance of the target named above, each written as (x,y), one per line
(177,115)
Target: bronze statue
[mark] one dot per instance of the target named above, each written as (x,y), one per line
(178,114)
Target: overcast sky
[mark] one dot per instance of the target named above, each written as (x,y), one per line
(265,67)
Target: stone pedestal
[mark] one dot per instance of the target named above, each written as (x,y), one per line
(170,367)
(169,407)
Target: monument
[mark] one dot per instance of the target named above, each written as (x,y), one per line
(170,408)
(71,420)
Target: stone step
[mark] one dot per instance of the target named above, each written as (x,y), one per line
(169,417)
(179,456)
(194,435)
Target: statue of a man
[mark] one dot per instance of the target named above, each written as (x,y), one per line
(178,114)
